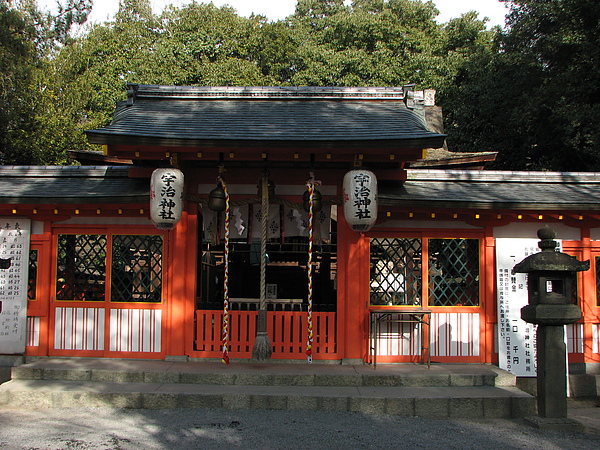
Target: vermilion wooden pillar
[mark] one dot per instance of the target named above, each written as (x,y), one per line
(488,297)
(175,293)
(353,291)
(44,290)
(191,257)
(588,298)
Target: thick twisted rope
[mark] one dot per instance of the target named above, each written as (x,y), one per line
(262,349)
(309,341)
(263,242)
(225,337)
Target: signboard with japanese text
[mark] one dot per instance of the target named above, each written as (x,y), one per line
(516,338)
(14,250)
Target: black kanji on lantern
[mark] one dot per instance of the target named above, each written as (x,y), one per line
(362,196)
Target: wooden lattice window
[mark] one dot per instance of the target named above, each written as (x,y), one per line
(396,271)
(32,277)
(81,267)
(453,272)
(136,268)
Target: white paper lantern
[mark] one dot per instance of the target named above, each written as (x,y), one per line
(360,199)
(166,198)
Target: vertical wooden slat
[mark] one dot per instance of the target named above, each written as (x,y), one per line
(455,334)
(135,330)
(79,329)
(215,333)
(33,331)
(287,330)
(575,338)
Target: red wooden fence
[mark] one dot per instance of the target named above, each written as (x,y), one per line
(287,330)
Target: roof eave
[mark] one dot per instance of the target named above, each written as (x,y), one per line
(491,205)
(121,200)
(100,137)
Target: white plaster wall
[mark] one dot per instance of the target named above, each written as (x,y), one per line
(106,221)
(422,224)
(37,227)
(528,230)
(595,234)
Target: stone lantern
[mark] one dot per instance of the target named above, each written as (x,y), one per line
(551,277)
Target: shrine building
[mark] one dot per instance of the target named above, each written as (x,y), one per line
(219,204)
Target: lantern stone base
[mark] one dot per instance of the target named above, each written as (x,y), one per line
(553,423)
(551,314)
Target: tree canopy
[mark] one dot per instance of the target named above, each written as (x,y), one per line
(536,97)
(324,43)
(31,131)
(528,91)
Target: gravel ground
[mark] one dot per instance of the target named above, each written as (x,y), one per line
(109,428)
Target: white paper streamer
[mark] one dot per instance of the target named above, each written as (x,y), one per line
(300,223)
(238,221)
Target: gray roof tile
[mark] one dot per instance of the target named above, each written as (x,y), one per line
(423,188)
(494,190)
(161,115)
(70,185)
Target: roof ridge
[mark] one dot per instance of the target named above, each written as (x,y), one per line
(249,92)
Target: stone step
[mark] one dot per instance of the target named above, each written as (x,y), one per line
(585,385)
(441,391)
(430,402)
(120,371)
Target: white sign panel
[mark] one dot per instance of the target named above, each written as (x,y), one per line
(516,338)
(14,246)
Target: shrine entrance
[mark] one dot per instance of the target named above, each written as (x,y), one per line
(287,286)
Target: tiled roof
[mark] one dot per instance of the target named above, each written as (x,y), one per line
(204,116)
(423,188)
(69,185)
(494,190)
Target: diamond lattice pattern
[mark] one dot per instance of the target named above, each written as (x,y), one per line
(453,272)
(81,267)
(395,271)
(136,268)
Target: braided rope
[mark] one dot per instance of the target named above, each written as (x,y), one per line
(263,243)
(225,337)
(309,341)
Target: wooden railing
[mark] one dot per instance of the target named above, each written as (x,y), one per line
(287,330)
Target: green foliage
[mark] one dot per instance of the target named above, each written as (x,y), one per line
(371,42)
(77,81)
(31,130)
(315,10)
(537,99)
(530,92)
